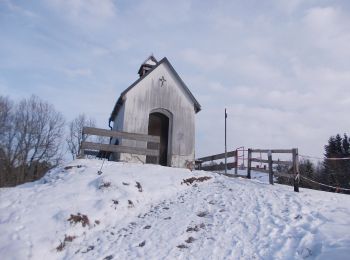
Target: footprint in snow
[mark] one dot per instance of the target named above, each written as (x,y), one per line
(196,228)
(190,240)
(142,243)
(130,204)
(202,214)
(88,249)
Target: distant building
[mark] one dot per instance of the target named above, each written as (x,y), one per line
(158,103)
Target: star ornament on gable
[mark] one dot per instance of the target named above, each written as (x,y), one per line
(162,81)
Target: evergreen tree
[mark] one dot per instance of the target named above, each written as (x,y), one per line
(346,146)
(331,151)
(338,146)
(330,148)
(337,172)
(307,169)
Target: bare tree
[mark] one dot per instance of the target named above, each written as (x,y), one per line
(75,136)
(5,112)
(6,116)
(31,137)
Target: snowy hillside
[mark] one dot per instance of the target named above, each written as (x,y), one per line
(145,211)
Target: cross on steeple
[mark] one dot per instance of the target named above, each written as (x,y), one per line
(162,81)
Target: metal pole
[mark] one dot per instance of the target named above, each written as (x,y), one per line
(225,144)
(296,169)
(249,166)
(270,167)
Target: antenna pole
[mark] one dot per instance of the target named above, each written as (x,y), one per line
(225,144)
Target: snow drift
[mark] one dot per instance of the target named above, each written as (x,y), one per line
(154,212)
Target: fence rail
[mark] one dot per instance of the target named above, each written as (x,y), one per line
(294,163)
(273,162)
(118,148)
(90,148)
(272,150)
(217,167)
(217,156)
(117,134)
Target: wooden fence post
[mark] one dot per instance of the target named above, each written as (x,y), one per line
(81,152)
(296,169)
(236,158)
(249,163)
(270,167)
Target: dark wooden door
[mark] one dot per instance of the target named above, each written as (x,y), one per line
(159,125)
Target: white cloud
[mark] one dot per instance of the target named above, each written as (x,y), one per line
(328,28)
(322,19)
(92,13)
(19,9)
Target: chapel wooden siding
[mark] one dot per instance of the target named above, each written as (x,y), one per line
(158,103)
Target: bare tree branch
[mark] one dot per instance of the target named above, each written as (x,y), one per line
(75,137)
(30,139)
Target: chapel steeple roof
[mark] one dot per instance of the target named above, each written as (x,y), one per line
(147,65)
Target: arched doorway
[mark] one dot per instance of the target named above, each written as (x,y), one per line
(160,124)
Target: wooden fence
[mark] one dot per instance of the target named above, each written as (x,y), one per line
(294,164)
(217,167)
(90,147)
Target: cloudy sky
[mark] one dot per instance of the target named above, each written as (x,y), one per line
(282,68)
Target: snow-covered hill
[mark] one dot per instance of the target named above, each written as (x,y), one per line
(145,211)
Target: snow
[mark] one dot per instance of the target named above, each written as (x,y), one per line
(164,218)
(150,62)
